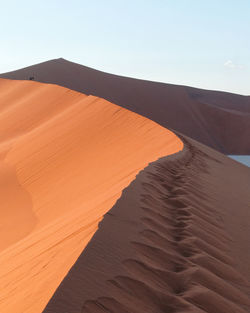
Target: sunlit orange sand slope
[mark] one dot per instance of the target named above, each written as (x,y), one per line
(64,160)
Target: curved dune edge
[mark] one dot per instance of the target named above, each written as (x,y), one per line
(66,157)
(168,244)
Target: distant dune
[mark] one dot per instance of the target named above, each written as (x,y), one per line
(176,241)
(64,159)
(218,119)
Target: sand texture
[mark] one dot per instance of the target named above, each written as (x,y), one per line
(176,241)
(218,119)
(64,160)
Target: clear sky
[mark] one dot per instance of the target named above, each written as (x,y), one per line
(202,43)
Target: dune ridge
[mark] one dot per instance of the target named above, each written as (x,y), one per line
(218,119)
(66,157)
(168,244)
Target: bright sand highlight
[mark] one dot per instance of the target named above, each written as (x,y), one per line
(64,159)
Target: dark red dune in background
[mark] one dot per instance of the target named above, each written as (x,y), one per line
(176,241)
(218,119)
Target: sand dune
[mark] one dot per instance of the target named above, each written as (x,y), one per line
(218,119)
(64,159)
(176,241)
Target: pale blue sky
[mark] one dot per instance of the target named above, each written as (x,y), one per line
(191,42)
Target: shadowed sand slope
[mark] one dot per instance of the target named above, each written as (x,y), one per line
(64,159)
(176,241)
(218,119)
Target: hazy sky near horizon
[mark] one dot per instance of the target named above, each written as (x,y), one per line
(198,43)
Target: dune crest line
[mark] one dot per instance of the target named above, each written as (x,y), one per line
(166,245)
